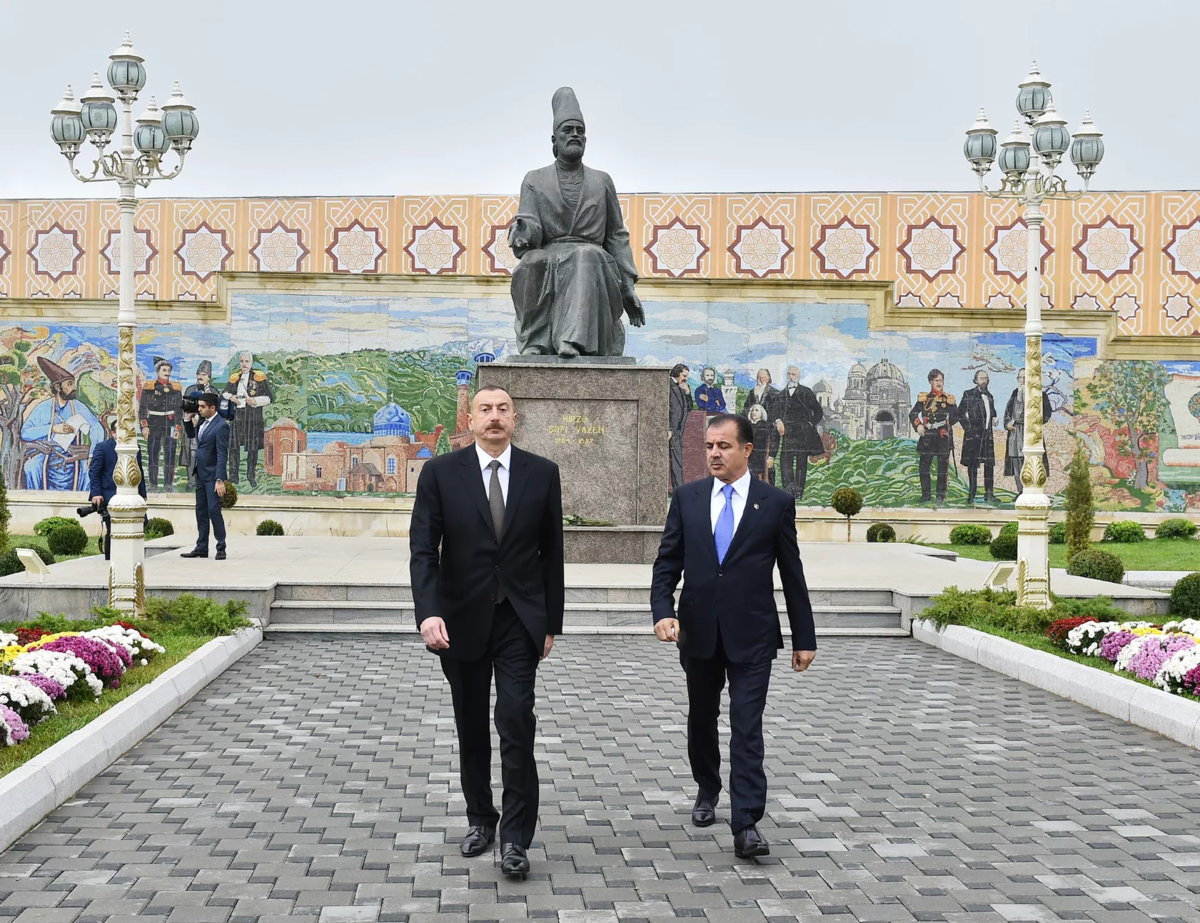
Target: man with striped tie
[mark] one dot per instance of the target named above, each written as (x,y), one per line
(724,535)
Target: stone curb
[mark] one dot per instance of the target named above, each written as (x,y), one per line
(33,790)
(1147,707)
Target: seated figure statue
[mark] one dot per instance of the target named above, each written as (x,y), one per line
(576,273)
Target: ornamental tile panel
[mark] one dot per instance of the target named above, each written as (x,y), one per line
(1178,273)
(760,236)
(281,233)
(357,236)
(495,217)
(202,240)
(434,248)
(844,236)
(55,249)
(930,238)
(675,236)
(8,215)
(146,257)
(435,230)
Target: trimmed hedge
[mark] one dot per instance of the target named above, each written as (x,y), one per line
(847,501)
(229,501)
(1098,565)
(269,527)
(1004,546)
(970,533)
(68,539)
(881,532)
(1185,598)
(160,526)
(45,526)
(1175,528)
(1058,533)
(1124,532)
(1009,528)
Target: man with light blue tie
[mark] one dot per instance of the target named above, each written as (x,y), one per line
(724,535)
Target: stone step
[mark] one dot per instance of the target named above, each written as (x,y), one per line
(386,612)
(593,630)
(395,592)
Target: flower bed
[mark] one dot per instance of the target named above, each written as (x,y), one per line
(39,668)
(1167,655)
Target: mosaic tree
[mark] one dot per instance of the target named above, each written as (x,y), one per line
(1131,394)
(14,395)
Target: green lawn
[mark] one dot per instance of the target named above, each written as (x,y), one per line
(93,545)
(1153,554)
(74,715)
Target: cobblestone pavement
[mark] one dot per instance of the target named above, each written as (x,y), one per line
(315,780)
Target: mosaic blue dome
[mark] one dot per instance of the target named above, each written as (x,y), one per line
(393,420)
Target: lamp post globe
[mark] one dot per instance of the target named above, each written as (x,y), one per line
(180,122)
(1014,153)
(980,146)
(126,73)
(1087,148)
(98,114)
(149,136)
(1050,136)
(66,126)
(1033,96)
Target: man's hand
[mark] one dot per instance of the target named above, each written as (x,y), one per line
(667,629)
(633,307)
(802,659)
(146,432)
(549,646)
(433,631)
(779,426)
(96,501)
(220,488)
(920,431)
(62,428)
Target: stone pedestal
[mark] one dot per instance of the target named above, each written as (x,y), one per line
(605,425)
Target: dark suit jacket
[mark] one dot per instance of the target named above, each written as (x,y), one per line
(100,472)
(458,582)
(737,596)
(211,450)
(800,413)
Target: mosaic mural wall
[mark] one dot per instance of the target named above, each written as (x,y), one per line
(354,393)
(1133,253)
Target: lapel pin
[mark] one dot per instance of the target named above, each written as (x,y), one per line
(756,506)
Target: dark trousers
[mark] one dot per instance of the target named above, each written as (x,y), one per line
(676,447)
(208,507)
(162,442)
(512,655)
(747,697)
(943,473)
(235,463)
(795,471)
(973,480)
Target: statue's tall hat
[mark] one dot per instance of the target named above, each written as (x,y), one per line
(565,106)
(53,370)
(204,368)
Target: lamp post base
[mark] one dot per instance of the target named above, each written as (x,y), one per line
(1033,549)
(126,572)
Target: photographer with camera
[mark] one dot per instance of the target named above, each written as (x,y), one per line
(209,468)
(100,475)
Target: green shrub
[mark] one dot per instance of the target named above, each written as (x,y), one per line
(1124,532)
(160,527)
(1098,565)
(4,515)
(1004,546)
(1058,533)
(1101,608)
(847,501)
(881,532)
(10,563)
(229,501)
(50,523)
(970,533)
(1185,598)
(1009,528)
(68,539)
(269,527)
(198,615)
(986,609)
(1175,528)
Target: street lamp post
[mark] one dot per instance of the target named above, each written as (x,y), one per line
(1029,178)
(138,162)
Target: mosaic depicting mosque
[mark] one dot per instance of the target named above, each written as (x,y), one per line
(348,332)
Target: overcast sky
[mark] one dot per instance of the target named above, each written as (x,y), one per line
(376,97)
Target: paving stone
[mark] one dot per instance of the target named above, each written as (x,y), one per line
(316,781)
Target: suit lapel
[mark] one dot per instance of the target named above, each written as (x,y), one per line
(704,490)
(474,485)
(518,477)
(750,516)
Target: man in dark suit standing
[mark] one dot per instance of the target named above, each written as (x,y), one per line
(210,470)
(100,476)
(724,535)
(797,413)
(490,599)
(680,406)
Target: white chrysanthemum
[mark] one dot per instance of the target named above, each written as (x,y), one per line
(1130,650)
(131,640)
(1170,675)
(61,666)
(26,699)
(1085,639)
(7,639)
(1185,626)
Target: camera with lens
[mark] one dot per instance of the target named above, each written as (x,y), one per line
(225,407)
(84,511)
(191,402)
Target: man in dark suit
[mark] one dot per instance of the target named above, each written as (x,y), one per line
(680,405)
(724,535)
(100,476)
(210,470)
(797,413)
(490,599)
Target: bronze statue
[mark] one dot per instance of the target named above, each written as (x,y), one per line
(576,273)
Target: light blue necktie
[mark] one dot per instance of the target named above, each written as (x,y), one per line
(723,533)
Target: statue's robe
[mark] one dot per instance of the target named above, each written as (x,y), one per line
(567,287)
(48,466)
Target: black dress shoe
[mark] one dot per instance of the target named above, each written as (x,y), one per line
(514,862)
(220,555)
(477,840)
(194,554)
(704,812)
(748,843)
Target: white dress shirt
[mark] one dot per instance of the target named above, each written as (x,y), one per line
(741,490)
(505,459)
